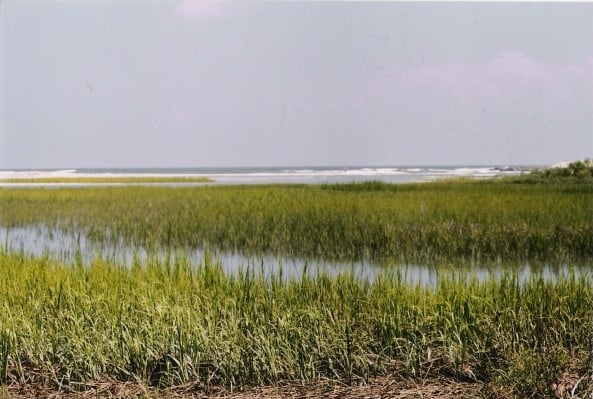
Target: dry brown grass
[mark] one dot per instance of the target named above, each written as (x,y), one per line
(382,387)
(396,386)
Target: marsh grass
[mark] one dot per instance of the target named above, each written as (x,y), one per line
(167,323)
(428,222)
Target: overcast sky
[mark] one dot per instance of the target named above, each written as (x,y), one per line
(233,83)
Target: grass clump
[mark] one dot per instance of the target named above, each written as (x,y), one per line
(168,323)
(372,185)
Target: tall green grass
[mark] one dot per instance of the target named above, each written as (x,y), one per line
(419,222)
(167,323)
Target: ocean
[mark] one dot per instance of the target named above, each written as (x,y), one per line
(282,175)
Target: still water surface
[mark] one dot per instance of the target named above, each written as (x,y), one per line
(76,247)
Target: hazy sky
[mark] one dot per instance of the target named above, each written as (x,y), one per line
(102,83)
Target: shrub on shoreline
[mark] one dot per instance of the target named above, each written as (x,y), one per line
(574,172)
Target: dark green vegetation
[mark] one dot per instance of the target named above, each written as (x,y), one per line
(427,222)
(578,171)
(169,323)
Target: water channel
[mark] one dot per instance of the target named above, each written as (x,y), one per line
(72,247)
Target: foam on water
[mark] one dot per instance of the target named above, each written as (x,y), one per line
(35,174)
(306,175)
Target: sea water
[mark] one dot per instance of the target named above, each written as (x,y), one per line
(279,175)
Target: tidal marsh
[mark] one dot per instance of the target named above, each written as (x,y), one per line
(169,321)
(429,222)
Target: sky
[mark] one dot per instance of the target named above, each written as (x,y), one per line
(205,83)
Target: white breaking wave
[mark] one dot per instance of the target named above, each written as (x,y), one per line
(474,172)
(35,174)
(279,175)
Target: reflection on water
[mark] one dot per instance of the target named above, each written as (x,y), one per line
(76,247)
